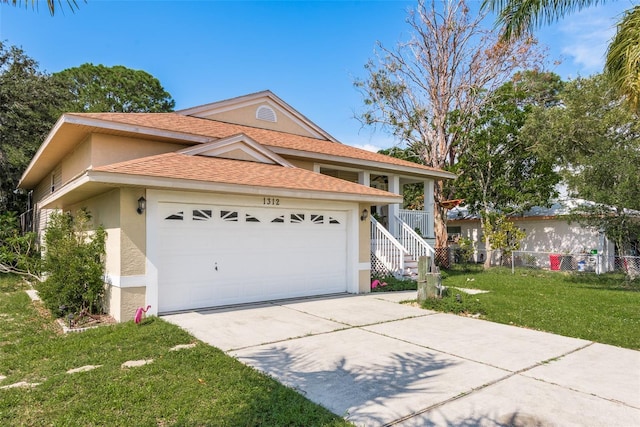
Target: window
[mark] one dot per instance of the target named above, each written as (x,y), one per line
(231,216)
(454,233)
(201,214)
(250,218)
(178,216)
(297,218)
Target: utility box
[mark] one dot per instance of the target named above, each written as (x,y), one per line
(429,282)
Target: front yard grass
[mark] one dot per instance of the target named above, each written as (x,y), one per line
(196,386)
(602,308)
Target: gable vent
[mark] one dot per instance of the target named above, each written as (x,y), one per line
(266,113)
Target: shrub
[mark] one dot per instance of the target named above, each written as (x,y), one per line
(74,264)
(19,253)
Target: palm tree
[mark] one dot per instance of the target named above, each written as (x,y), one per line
(520,17)
(51,4)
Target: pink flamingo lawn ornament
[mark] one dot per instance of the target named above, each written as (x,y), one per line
(377,283)
(139,312)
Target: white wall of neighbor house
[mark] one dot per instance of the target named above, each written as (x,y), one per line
(543,235)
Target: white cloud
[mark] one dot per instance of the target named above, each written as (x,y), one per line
(586,36)
(368,147)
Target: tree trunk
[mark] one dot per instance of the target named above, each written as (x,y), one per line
(487,243)
(489,251)
(439,216)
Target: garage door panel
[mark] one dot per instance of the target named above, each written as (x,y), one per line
(260,254)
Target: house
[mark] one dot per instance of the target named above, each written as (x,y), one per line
(548,230)
(236,201)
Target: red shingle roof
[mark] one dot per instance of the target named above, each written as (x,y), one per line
(215,129)
(225,171)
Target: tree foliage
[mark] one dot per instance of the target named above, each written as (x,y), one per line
(500,173)
(117,89)
(519,18)
(623,57)
(30,103)
(19,253)
(596,140)
(428,90)
(503,234)
(74,263)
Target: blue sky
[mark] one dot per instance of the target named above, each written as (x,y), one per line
(306,52)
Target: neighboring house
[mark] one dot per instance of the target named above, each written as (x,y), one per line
(232,202)
(547,230)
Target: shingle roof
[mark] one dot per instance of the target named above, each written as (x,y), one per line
(226,171)
(216,129)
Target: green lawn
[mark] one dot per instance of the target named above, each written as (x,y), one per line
(603,308)
(198,386)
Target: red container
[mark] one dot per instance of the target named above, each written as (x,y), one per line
(554,261)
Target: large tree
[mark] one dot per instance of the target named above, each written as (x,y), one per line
(427,91)
(596,140)
(30,103)
(117,89)
(519,18)
(499,173)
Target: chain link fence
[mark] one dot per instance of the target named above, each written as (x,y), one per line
(568,262)
(580,262)
(448,257)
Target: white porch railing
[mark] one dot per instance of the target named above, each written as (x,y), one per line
(387,249)
(421,220)
(413,243)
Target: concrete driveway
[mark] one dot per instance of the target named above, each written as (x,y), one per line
(377,362)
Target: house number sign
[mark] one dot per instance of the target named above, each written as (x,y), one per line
(271,201)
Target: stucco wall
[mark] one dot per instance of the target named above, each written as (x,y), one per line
(108,149)
(364,251)
(77,161)
(105,211)
(247,116)
(122,303)
(132,233)
(302,164)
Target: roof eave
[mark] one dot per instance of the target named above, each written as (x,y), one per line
(434,173)
(113,178)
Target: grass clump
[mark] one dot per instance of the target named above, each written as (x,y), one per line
(455,301)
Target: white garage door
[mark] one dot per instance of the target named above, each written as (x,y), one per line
(215,255)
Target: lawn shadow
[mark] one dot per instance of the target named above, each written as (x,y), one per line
(361,389)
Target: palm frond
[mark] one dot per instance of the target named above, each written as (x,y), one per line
(518,18)
(623,57)
(51,4)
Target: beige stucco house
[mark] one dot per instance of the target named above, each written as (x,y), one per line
(236,201)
